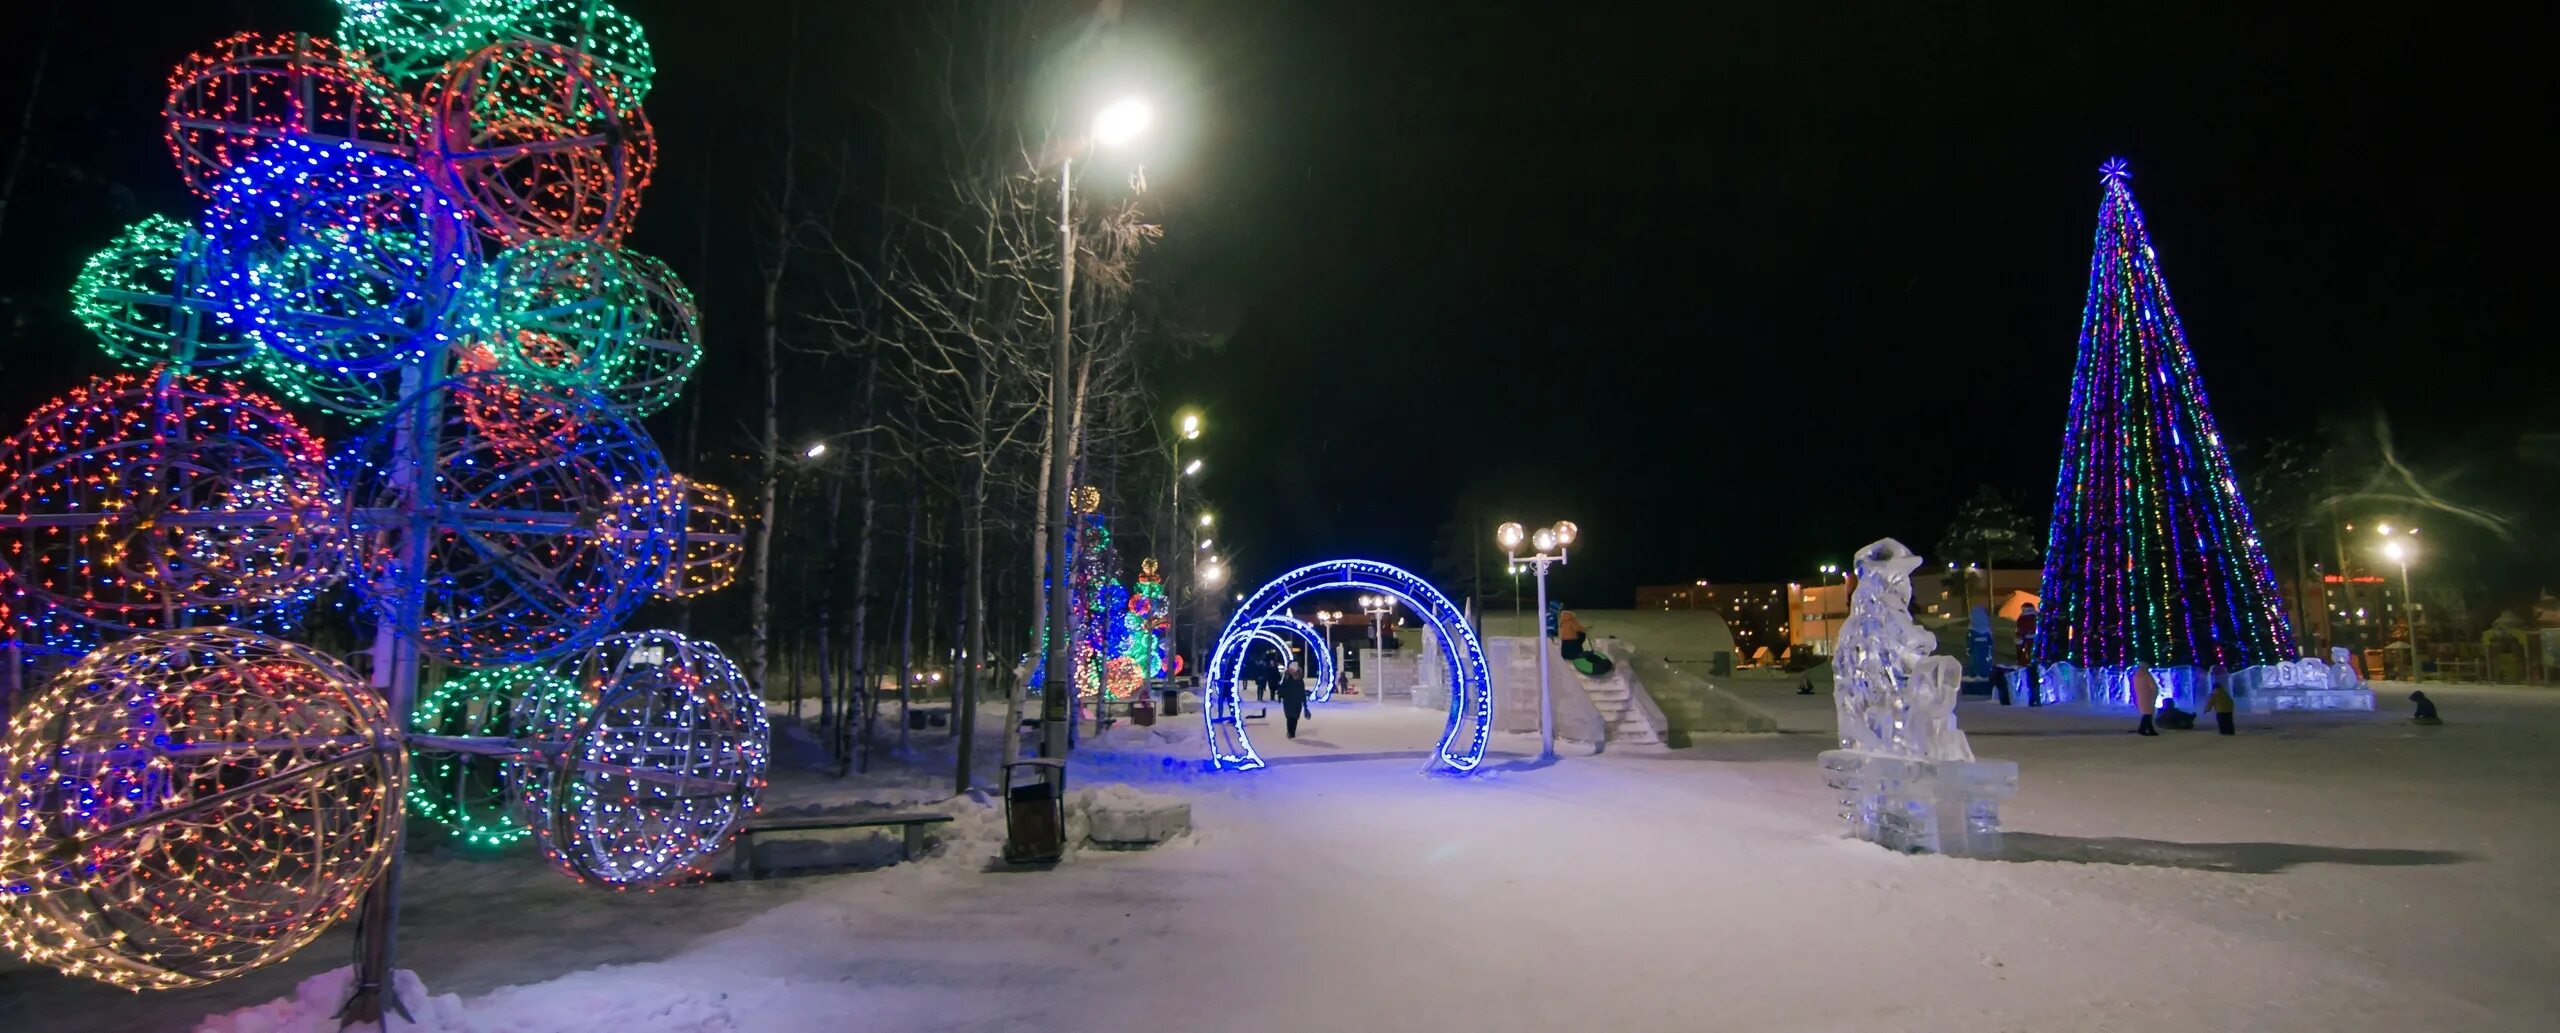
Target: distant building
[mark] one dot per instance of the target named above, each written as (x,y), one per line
(1756,612)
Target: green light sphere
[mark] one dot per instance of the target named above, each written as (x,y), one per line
(147,299)
(469,793)
(584,314)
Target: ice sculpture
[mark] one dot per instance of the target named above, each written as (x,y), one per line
(1907,776)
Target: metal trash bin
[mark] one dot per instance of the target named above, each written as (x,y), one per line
(1142,712)
(1035,811)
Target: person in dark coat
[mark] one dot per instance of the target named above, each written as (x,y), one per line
(1261,674)
(1293,698)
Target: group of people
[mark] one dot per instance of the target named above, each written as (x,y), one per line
(2146,698)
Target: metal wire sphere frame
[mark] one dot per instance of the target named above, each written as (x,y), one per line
(147,298)
(581,313)
(187,805)
(659,772)
(139,500)
(253,89)
(494,522)
(539,141)
(470,793)
(338,257)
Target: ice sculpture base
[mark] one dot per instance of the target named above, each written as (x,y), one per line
(2272,699)
(1922,806)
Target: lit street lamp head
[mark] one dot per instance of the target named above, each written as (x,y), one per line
(1207,519)
(814,451)
(1125,120)
(1192,469)
(1510,535)
(2397,552)
(1190,424)
(1566,533)
(1545,539)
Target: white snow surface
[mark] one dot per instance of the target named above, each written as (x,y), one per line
(2331,872)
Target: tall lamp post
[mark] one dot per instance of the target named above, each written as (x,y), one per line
(1831,630)
(1186,428)
(1112,126)
(1379,608)
(2402,550)
(1552,545)
(1328,618)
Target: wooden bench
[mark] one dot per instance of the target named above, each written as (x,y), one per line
(743,866)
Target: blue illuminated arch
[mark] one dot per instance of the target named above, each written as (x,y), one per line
(1461,747)
(1269,629)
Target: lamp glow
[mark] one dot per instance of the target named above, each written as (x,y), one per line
(1510,535)
(1125,120)
(814,451)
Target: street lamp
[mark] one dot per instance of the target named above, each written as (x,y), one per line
(1830,628)
(1379,608)
(814,450)
(1553,545)
(1114,125)
(2401,551)
(1187,427)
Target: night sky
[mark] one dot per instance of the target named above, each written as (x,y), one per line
(1738,291)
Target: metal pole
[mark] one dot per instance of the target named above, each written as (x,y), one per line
(2409,618)
(1175,578)
(1058,681)
(1546,644)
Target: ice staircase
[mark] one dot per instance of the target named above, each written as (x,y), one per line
(1622,703)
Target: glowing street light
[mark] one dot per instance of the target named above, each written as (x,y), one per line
(1379,608)
(2402,550)
(1189,422)
(1125,120)
(1208,520)
(1207,542)
(815,449)
(1192,469)
(1554,544)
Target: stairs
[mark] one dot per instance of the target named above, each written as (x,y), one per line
(1615,698)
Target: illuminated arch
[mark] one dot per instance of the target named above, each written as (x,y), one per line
(1277,630)
(1461,747)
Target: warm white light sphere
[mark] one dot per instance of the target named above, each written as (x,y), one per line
(1125,120)
(1510,534)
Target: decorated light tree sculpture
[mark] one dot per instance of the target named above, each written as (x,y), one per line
(2152,559)
(194,800)
(1150,616)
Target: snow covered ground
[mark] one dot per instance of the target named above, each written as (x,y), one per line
(2332,873)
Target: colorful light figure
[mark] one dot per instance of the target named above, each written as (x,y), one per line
(582,314)
(2152,559)
(146,298)
(1150,616)
(1470,728)
(540,141)
(190,804)
(1280,629)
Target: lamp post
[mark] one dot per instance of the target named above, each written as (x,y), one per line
(1114,125)
(1328,618)
(1379,608)
(1552,545)
(1187,427)
(2401,551)
(1830,629)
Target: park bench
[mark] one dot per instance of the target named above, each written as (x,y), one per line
(743,866)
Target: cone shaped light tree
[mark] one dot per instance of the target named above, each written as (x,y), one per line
(2152,560)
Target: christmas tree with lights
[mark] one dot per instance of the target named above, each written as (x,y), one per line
(2152,560)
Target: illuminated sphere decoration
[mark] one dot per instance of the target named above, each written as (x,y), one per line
(412,40)
(538,140)
(591,27)
(253,89)
(191,804)
(510,543)
(337,257)
(712,538)
(468,792)
(587,314)
(146,298)
(138,499)
(658,773)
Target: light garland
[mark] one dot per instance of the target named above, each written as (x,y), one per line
(714,540)
(2152,559)
(525,515)
(1278,629)
(253,89)
(146,298)
(337,257)
(579,313)
(415,39)
(1470,728)
(141,500)
(658,772)
(188,805)
(537,139)
(470,793)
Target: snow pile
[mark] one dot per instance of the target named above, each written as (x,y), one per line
(609,1001)
(1118,815)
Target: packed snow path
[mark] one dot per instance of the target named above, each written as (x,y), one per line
(2317,873)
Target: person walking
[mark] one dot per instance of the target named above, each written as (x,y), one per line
(1293,698)
(2027,654)
(2146,698)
